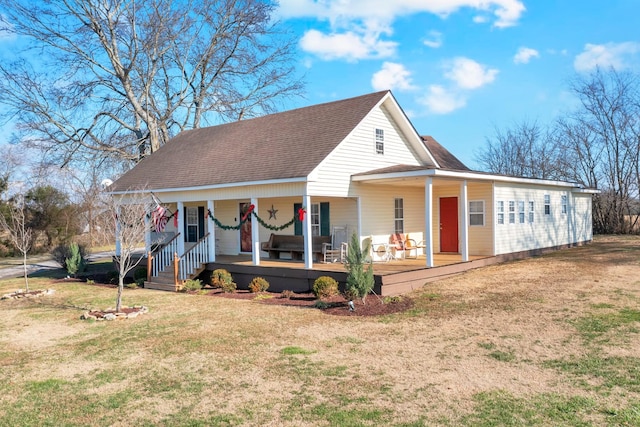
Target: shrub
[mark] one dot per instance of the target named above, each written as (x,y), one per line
(192,285)
(286,294)
(258,284)
(91,282)
(360,281)
(75,263)
(325,286)
(140,273)
(61,252)
(222,279)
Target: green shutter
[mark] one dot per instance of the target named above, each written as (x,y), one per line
(325,221)
(200,222)
(184,223)
(297,228)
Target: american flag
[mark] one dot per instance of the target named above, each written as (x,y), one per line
(158,215)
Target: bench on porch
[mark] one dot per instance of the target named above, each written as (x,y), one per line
(294,245)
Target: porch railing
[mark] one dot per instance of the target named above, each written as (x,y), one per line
(194,258)
(162,257)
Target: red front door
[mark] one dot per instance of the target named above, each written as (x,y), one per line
(449,224)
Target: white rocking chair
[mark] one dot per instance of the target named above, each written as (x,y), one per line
(336,251)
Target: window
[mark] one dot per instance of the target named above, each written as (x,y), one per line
(512,212)
(547,204)
(399,216)
(476,212)
(500,210)
(563,201)
(531,211)
(192,224)
(379,141)
(314,216)
(521,211)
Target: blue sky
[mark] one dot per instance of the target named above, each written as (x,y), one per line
(461,68)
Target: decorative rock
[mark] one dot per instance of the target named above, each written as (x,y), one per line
(109,316)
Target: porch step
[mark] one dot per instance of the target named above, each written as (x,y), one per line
(162,286)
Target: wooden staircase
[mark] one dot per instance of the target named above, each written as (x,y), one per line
(167,271)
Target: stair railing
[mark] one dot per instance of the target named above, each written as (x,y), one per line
(193,259)
(162,257)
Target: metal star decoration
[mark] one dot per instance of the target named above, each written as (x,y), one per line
(272,213)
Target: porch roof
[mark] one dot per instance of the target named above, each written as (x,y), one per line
(415,175)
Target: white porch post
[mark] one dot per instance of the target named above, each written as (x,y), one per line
(306,232)
(118,232)
(180,230)
(464,237)
(255,234)
(211,226)
(428,221)
(147,234)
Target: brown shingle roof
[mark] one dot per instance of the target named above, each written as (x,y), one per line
(445,159)
(277,146)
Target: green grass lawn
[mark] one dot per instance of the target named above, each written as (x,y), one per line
(509,345)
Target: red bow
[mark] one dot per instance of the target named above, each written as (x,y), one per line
(301,213)
(175,220)
(248,212)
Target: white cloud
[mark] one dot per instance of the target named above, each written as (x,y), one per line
(362,23)
(392,76)
(440,100)
(524,55)
(349,45)
(505,12)
(615,55)
(435,39)
(469,74)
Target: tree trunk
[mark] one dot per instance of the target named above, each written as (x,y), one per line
(119,297)
(26,276)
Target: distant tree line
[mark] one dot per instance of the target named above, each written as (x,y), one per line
(597,145)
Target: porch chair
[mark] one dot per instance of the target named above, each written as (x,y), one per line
(336,251)
(380,252)
(402,243)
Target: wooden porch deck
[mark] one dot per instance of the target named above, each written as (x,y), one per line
(391,278)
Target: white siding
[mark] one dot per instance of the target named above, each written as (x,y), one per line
(358,154)
(481,237)
(556,228)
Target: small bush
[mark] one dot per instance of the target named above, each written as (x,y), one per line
(258,284)
(75,262)
(132,285)
(392,299)
(91,282)
(286,294)
(113,277)
(321,305)
(221,279)
(61,252)
(325,286)
(192,285)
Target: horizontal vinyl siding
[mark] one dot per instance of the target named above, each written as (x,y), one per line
(547,230)
(270,190)
(378,215)
(358,154)
(481,237)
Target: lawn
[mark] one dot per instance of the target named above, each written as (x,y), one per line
(552,340)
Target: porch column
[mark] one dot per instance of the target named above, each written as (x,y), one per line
(306,231)
(428,221)
(180,230)
(255,234)
(464,236)
(118,232)
(211,227)
(147,234)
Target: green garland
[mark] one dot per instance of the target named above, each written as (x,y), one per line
(260,220)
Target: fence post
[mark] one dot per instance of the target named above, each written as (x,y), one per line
(149,265)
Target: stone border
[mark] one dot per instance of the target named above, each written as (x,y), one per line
(22,293)
(111,314)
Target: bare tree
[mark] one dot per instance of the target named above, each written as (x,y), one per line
(602,139)
(129,210)
(525,150)
(117,78)
(19,233)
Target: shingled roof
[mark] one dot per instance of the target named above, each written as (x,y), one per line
(277,146)
(445,159)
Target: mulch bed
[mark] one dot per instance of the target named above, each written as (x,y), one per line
(337,306)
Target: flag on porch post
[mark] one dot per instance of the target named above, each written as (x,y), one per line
(158,215)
